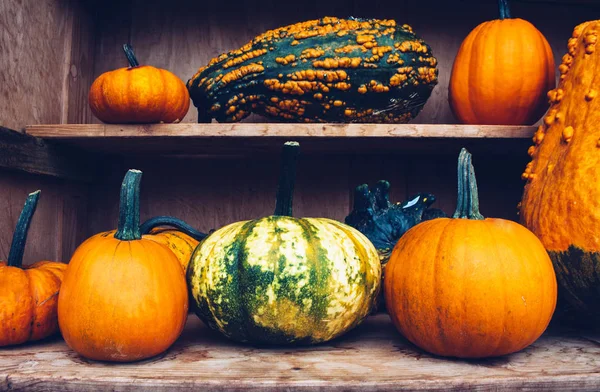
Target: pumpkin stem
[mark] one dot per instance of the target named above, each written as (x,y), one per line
(129,207)
(504,9)
(287,179)
(130,55)
(170,221)
(467,206)
(17,247)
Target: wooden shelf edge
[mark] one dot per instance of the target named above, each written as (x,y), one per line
(19,151)
(276,130)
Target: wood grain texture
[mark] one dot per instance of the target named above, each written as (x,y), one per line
(183,35)
(46,62)
(211,194)
(373,357)
(26,153)
(79,64)
(59,223)
(254,139)
(76,131)
(32,60)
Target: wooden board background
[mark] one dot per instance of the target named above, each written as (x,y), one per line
(58,225)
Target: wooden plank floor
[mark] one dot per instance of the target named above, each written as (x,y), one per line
(372,357)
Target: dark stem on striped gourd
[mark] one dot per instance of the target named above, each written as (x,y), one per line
(287,179)
(130,56)
(467,206)
(129,207)
(504,9)
(17,247)
(173,222)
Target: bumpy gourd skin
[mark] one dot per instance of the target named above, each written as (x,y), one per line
(327,70)
(561,202)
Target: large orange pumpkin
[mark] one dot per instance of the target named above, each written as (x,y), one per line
(123,298)
(561,202)
(175,234)
(139,94)
(501,73)
(28,295)
(470,287)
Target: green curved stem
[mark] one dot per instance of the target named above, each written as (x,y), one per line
(467,206)
(504,9)
(287,179)
(130,56)
(129,207)
(17,247)
(170,221)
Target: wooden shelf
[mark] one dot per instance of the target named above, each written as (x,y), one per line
(247,138)
(372,357)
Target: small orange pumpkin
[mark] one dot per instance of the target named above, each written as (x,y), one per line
(139,94)
(124,297)
(470,287)
(28,295)
(501,73)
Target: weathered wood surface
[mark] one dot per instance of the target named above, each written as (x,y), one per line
(183,35)
(373,357)
(59,224)
(46,62)
(245,139)
(186,130)
(26,153)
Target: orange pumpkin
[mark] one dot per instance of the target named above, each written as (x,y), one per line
(470,287)
(561,199)
(175,234)
(124,297)
(139,94)
(28,295)
(501,73)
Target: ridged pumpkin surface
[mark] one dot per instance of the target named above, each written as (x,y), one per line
(28,301)
(501,74)
(280,280)
(561,202)
(470,287)
(326,70)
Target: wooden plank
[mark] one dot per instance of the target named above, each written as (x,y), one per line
(23,152)
(79,65)
(237,130)
(32,61)
(373,357)
(247,139)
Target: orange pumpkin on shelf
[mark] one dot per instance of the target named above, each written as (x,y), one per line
(124,297)
(502,73)
(139,94)
(28,295)
(470,287)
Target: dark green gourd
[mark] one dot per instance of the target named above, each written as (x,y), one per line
(326,70)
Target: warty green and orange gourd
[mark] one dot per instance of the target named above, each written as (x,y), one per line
(324,70)
(470,286)
(561,202)
(284,280)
